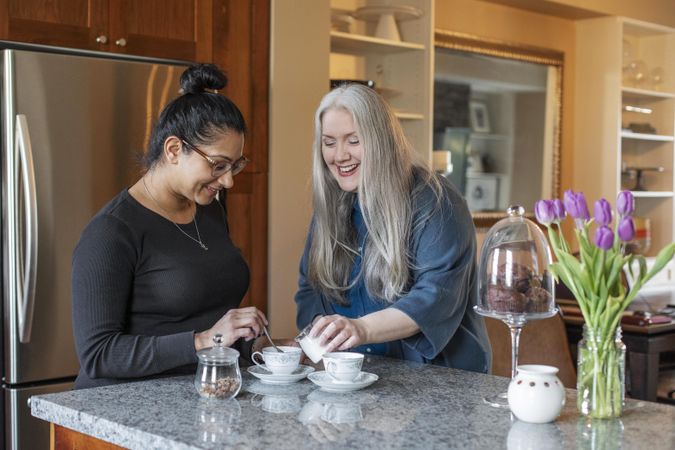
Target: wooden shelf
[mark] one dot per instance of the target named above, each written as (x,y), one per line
(646,136)
(652,194)
(408,115)
(645,93)
(350,43)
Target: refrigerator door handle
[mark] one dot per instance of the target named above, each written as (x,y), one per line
(26,280)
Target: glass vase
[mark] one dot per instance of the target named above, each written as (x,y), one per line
(601,367)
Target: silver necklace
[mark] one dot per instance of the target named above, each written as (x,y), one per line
(194,218)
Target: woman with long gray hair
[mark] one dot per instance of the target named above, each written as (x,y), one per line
(389,263)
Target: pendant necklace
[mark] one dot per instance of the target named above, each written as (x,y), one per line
(194,218)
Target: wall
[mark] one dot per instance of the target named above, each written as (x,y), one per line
(296,87)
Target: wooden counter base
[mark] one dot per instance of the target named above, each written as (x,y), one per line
(63,438)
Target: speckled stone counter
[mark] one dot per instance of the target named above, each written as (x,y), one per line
(410,406)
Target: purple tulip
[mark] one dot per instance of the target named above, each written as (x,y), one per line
(559,210)
(603,212)
(570,203)
(604,238)
(544,212)
(575,205)
(625,203)
(626,230)
(582,206)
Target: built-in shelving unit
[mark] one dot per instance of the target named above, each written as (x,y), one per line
(401,69)
(625,86)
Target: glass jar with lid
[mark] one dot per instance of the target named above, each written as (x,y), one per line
(218,374)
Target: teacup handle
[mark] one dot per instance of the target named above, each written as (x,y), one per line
(330,368)
(262,364)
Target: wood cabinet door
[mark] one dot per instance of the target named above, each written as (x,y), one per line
(247,219)
(62,23)
(175,29)
(241,40)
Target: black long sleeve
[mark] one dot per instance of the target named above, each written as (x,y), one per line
(141,288)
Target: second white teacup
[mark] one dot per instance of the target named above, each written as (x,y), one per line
(343,367)
(279,363)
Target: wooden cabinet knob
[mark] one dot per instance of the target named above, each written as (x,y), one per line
(121,42)
(102,39)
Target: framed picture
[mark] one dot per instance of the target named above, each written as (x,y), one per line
(478,116)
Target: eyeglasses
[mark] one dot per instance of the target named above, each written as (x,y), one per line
(219,168)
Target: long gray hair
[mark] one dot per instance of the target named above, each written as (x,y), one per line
(386,196)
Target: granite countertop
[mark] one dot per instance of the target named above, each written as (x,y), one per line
(410,406)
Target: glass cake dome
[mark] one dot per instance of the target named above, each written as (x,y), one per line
(514,283)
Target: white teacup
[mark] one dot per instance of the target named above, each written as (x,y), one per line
(343,367)
(279,363)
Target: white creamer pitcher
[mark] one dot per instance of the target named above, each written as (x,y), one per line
(536,394)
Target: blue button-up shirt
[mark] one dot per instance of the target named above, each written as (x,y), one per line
(442,291)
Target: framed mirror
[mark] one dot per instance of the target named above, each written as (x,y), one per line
(497,113)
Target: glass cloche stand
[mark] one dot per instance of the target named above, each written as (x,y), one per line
(514,285)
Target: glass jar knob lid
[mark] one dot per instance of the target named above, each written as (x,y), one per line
(218,353)
(515,211)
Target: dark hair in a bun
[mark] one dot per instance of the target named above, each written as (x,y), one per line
(199,115)
(200,77)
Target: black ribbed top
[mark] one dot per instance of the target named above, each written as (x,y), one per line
(141,289)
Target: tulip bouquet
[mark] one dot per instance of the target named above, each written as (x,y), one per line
(595,279)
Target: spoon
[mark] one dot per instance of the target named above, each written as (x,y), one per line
(267,333)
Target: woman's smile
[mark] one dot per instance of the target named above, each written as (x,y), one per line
(347,171)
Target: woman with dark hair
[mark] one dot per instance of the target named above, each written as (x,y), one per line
(155,274)
(390,260)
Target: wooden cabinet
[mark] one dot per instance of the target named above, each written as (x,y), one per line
(179,29)
(625,96)
(240,37)
(63,438)
(247,218)
(176,29)
(64,23)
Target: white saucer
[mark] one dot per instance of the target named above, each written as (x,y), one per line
(323,380)
(270,378)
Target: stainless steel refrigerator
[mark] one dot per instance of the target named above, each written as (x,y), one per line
(74,125)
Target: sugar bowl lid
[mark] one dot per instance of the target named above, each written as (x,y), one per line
(218,354)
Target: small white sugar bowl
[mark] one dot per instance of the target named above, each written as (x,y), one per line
(536,394)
